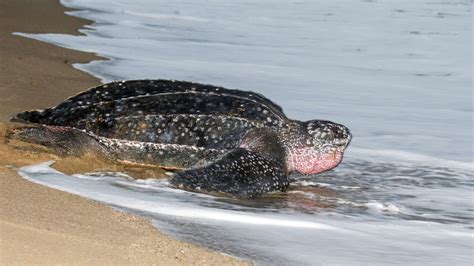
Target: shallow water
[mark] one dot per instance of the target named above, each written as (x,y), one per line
(362,212)
(397,73)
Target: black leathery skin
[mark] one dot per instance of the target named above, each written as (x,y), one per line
(100,105)
(240,172)
(168,156)
(103,114)
(265,142)
(133,88)
(215,132)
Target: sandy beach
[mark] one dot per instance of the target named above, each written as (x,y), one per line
(39,225)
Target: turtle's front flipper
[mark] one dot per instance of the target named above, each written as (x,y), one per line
(240,172)
(62,140)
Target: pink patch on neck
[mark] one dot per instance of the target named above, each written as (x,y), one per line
(307,161)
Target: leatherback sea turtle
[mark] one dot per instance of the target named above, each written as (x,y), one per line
(228,141)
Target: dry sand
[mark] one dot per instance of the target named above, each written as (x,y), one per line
(39,225)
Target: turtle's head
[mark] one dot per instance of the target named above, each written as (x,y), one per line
(316,146)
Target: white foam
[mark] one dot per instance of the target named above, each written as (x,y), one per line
(377,206)
(122,199)
(312,183)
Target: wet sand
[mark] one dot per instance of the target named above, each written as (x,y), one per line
(39,225)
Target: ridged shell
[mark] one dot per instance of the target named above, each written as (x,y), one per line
(164,111)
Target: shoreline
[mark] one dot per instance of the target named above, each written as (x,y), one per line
(40,225)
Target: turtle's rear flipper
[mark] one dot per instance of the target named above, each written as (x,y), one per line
(65,141)
(240,172)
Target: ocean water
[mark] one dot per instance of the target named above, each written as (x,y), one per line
(397,73)
(362,213)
